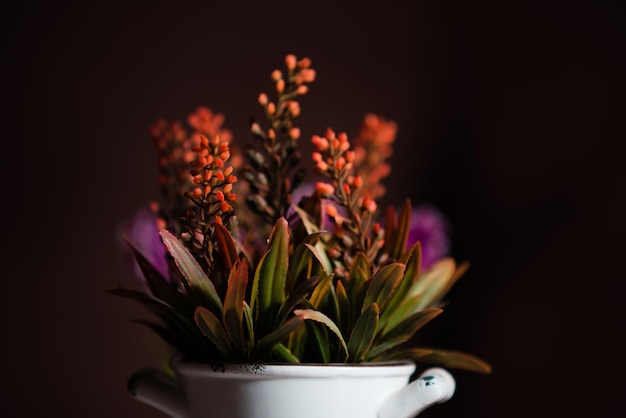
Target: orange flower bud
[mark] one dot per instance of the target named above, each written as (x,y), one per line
(276,75)
(280,86)
(228,171)
(331,211)
(227,188)
(263,99)
(290,61)
(271,108)
(197,193)
(219,175)
(197,179)
(294,133)
(220,196)
(224,207)
(304,62)
(231,196)
(324,189)
(231,179)
(308,75)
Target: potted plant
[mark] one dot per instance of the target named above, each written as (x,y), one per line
(274,291)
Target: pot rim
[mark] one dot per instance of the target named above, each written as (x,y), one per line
(372,369)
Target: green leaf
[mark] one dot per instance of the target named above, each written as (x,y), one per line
(283,354)
(318,340)
(248,330)
(174,338)
(320,291)
(160,287)
(268,288)
(406,309)
(267,343)
(383,284)
(357,281)
(344,313)
(234,304)
(302,262)
(433,283)
(412,260)
(311,227)
(296,297)
(445,358)
(320,317)
(404,330)
(402,231)
(212,328)
(170,316)
(196,281)
(363,333)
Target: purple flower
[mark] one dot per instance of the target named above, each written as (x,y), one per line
(431,229)
(143,233)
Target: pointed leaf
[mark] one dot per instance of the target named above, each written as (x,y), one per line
(311,227)
(356,287)
(160,287)
(363,333)
(401,233)
(212,328)
(444,358)
(283,354)
(234,304)
(278,335)
(296,297)
(383,284)
(318,340)
(170,316)
(432,283)
(345,314)
(392,310)
(404,330)
(196,281)
(320,317)
(302,264)
(268,288)
(320,291)
(226,246)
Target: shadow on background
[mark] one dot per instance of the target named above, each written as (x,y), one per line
(510,122)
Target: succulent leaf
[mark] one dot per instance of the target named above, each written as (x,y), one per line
(363,333)
(196,281)
(267,343)
(383,284)
(160,288)
(404,330)
(356,283)
(172,318)
(268,288)
(212,328)
(452,359)
(234,304)
(320,317)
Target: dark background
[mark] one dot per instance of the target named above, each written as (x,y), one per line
(510,121)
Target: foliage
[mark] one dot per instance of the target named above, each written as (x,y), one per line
(256,277)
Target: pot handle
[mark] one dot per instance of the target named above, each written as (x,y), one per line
(434,386)
(155,388)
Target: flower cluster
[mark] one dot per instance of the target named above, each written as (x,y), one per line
(248,260)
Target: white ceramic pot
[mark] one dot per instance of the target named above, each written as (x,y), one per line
(369,390)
